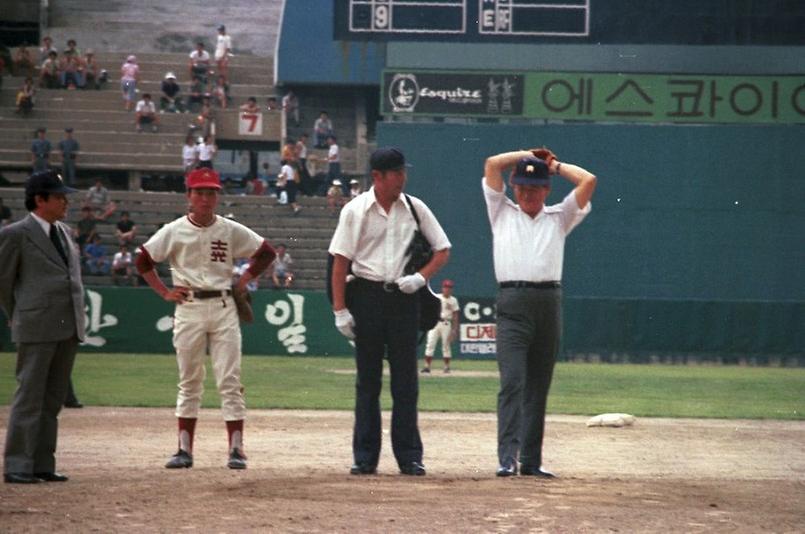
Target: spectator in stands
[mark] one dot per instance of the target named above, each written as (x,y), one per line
(123,267)
(200,63)
(25,97)
(272,104)
(334,163)
(250,106)
(71,75)
(223,50)
(5,214)
(86,228)
(219,92)
(289,151)
(100,201)
(197,93)
(71,49)
(255,186)
(23,62)
(49,71)
(146,113)
(281,273)
(189,154)
(46,48)
(300,149)
(129,74)
(69,148)
(40,151)
(354,188)
(170,100)
(205,117)
(290,105)
(92,74)
(322,129)
(206,152)
(125,230)
(269,179)
(335,197)
(95,258)
(289,179)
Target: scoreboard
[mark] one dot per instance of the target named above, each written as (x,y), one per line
(460,17)
(677,22)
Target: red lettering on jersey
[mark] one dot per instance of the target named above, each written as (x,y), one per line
(218,252)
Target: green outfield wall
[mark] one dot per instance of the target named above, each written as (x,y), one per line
(299,323)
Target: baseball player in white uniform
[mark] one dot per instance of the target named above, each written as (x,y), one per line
(446,330)
(201,248)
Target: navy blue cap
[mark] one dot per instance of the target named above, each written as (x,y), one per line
(387,158)
(46,182)
(531,171)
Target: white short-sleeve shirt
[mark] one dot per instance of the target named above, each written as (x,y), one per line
(203,57)
(188,154)
(202,257)
(224,44)
(332,154)
(449,306)
(377,242)
(526,249)
(145,107)
(205,151)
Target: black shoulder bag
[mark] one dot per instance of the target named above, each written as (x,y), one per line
(421,251)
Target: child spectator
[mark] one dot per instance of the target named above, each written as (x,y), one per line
(129,74)
(95,258)
(49,71)
(322,129)
(123,267)
(25,97)
(281,274)
(288,178)
(125,229)
(72,68)
(86,228)
(200,63)
(197,93)
(92,73)
(146,113)
(223,50)
(206,152)
(23,62)
(272,104)
(219,92)
(170,100)
(255,186)
(250,106)
(335,197)
(189,154)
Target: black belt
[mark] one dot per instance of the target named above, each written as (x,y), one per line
(210,294)
(530,285)
(388,287)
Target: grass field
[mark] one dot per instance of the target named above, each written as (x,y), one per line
(328,383)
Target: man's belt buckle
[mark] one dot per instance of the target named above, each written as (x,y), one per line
(390,287)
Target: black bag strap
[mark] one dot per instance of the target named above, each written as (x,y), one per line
(413,211)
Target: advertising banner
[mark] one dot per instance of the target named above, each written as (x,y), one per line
(597,97)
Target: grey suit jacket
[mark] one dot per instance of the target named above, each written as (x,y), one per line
(42,296)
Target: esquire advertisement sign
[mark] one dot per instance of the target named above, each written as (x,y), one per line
(439,93)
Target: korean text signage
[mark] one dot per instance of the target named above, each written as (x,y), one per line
(477,329)
(435,93)
(608,97)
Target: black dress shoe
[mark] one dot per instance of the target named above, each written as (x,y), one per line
(362,468)
(52,477)
(73,404)
(507,468)
(415,469)
(20,478)
(535,472)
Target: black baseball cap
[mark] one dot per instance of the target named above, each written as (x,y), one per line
(531,171)
(387,158)
(46,182)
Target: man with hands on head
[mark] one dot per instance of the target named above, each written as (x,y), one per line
(528,251)
(379,308)
(201,248)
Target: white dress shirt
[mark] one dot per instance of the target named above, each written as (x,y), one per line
(376,242)
(526,249)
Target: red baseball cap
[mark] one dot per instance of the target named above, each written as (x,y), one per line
(447,283)
(203,178)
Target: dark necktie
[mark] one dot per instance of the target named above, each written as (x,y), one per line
(54,237)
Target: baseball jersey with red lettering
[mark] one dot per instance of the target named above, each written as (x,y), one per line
(201,257)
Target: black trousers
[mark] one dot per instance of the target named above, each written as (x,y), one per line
(529,327)
(386,324)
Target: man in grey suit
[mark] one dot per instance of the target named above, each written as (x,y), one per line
(42,295)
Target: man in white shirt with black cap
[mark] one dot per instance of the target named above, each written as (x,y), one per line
(528,243)
(381,310)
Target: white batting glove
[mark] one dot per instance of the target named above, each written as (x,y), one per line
(411,283)
(345,323)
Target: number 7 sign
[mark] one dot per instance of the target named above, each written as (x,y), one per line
(250,124)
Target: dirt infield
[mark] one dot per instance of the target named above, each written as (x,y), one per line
(660,475)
